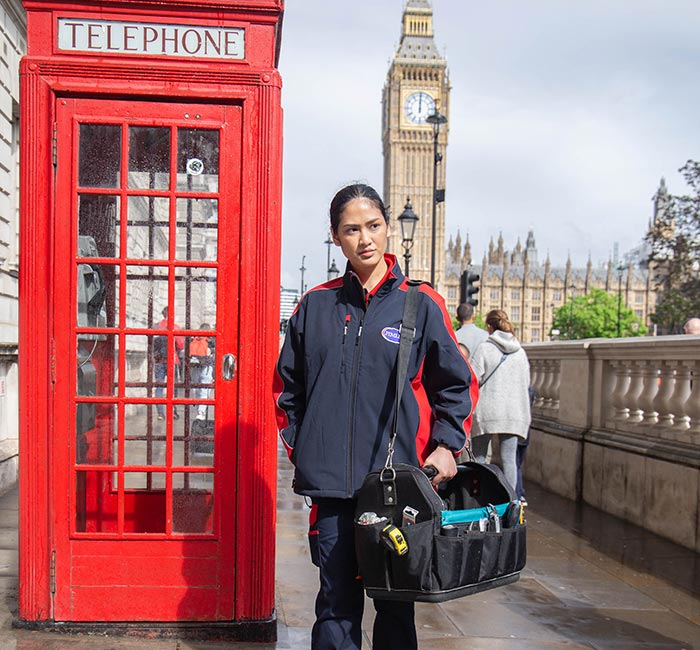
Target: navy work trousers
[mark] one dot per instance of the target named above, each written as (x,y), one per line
(340,599)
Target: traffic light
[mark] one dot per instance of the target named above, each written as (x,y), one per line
(467,288)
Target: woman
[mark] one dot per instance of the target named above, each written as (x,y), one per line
(335,391)
(503,371)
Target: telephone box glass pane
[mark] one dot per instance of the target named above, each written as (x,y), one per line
(149,157)
(95,503)
(147,228)
(137,382)
(197,160)
(98,225)
(198,366)
(140,418)
(98,365)
(193,438)
(144,502)
(147,366)
(197,224)
(146,295)
(98,295)
(96,429)
(144,436)
(195,297)
(193,503)
(99,157)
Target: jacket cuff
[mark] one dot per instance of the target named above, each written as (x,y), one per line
(443,434)
(288,437)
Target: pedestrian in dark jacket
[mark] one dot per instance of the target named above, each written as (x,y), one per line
(335,391)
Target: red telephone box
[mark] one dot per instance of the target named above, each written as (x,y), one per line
(150,246)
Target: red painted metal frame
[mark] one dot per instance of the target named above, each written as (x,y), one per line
(255,86)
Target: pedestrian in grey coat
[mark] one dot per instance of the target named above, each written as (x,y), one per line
(503,370)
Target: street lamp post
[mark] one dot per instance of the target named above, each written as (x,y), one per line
(333,271)
(572,288)
(436,119)
(302,268)
(620,268)
(408,220)
(328,243)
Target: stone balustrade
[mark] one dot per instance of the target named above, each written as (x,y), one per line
(616,422)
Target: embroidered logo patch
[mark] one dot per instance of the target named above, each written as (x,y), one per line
(392,335)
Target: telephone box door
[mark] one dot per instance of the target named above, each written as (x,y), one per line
(147,208)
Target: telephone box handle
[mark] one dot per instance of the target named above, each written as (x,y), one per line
(228,367)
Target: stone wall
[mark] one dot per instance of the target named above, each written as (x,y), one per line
(617,424)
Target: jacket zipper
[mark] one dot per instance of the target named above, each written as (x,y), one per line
(342,347)
(353,396)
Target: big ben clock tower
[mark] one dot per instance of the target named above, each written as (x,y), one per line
(416,84)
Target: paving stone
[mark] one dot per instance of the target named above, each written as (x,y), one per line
(591,583)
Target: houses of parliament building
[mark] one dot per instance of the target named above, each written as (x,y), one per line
(518,281)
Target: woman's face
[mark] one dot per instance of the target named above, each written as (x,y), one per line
(362,235)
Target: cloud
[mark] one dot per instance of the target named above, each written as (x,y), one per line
(563,117)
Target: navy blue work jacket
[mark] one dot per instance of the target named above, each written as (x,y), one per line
(335,383)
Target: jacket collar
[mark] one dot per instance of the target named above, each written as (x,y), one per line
(392,278)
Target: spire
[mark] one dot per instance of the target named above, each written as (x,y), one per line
(417,33)
(660,199)
(589,273)
(530,248)
(467,257)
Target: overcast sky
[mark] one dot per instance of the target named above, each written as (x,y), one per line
(563,118)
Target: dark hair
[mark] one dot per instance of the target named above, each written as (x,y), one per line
(464,312)
(498,320)
(350,193)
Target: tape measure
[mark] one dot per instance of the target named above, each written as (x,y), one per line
(394,540)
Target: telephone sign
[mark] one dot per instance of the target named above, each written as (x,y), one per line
(150,39)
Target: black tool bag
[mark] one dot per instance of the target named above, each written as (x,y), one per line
(416,544)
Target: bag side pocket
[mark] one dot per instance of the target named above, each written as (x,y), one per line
(414,569)
(457,560)
(371,554)
(490,555)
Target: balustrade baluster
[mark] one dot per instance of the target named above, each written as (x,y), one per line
(693,403)
(679,399)
(634,392)
(667,383)
(536,380)
(622,383)
(556,384)
(650,378)
(547,385)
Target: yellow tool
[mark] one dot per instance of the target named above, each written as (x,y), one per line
(394,540)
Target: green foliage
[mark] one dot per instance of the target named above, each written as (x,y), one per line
(595,315)
(675,243)
(673,310)
(478,321)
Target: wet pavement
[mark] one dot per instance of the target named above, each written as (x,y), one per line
(591,582)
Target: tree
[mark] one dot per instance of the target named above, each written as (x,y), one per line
(675,252)
(595,315)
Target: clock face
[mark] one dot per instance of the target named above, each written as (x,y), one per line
(418,106)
